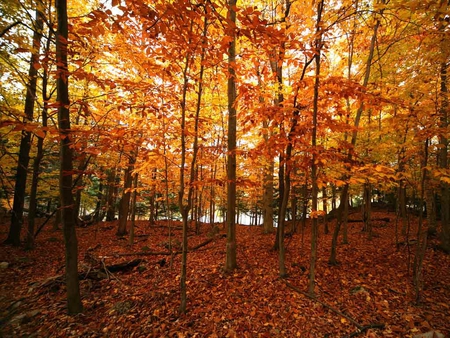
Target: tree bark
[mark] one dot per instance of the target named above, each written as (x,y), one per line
(230,261)
(111,195)
(325,210)
(74,304)
(344,193)
(37,161)
(126,196)
(443,161)
(133,208)
(315,190)
(25,141)
(186,207)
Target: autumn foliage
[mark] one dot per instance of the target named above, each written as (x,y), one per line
(325,124)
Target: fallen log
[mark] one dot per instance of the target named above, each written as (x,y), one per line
(384,219)
(165,253)
(92,273)
(126,266)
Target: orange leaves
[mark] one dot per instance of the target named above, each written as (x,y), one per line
(34,128)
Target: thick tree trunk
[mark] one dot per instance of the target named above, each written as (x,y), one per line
(25,142)
(74,304)
(126,196)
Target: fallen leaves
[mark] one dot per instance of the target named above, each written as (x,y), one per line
(251,302)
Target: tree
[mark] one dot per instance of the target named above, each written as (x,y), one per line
(230,262)
(443,24)
(25,142)
(74,304)
(314,225)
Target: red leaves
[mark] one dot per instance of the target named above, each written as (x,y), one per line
(370,285)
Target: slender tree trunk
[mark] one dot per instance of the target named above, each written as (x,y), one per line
(344,201)
(74,304)
(230,262)
(305,200)
(133,208)
(268,172)
(314,227)
(294,208)
(37,161)
(367,194)
(111,195)
(345,221)
(99,213)
(443,161)
(152,199)
(344,195)
(268,195)
(281,188)
(325,210)
(186,207)
(25,141)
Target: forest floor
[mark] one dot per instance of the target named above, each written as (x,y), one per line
(372,284)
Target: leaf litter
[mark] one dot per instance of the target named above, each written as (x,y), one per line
(371,284)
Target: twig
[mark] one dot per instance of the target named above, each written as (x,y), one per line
(350,319)
(364,329)
(109,273)
(361,328)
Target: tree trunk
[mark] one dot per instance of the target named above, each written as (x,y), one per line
(367,194)
(230,262)
(344,194)
(281,188)
(314,226)
(37,160)
(443,161)
(294,208)
(111,195)
(430,201)
(325,210)
(25,141)
(126,196)
(133,208)
(401,208)
(74,304)
(343,202)
(268,195)
(345,221)
(186,207)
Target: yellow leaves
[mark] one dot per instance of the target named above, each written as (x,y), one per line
(442,174)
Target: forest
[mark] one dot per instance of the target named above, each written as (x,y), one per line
(224,168)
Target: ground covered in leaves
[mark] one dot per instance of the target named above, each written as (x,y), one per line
(371,285)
